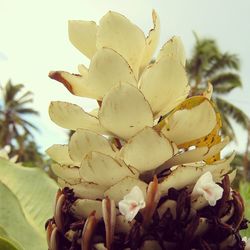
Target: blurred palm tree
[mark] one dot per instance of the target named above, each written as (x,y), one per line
(15,129)
(209,64)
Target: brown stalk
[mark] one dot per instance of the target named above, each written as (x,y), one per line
(109,217)
(152,199)
(88,231)
(58,214)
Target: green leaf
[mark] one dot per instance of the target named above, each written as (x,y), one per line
(7,244)
(245,193)
(27,197)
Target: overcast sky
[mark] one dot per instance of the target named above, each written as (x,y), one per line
(33,41)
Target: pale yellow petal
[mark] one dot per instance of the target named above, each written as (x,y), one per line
(103,169)
(75,84)
(83,142)
(147,150)
(107,68)
(187,175)
(60,154)
(84,190)
(123,187)
(215,149)
(82,208)
(82,35)
(152,41)
(208,91)
(122,225)
(83,70)
(188,123)
(173,48)
(117,32)
(100,246)
(125,111)
(69,174)
(197,154)
(164,85)
(189,156)
(220,168)
(71,116)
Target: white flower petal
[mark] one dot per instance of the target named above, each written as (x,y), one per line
(125,111)
(117,32)
(71,116)
(82,35)
(60,154)
(123,187)
(83,142)
(173,48)
(164,85)
(152,41)
(155,146)
(125,210)
(193,119)
(103,169)
(132,203)
(135,194)
(205,186)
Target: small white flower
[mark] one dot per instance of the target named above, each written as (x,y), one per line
(247,241)
(132,203)
(205,186)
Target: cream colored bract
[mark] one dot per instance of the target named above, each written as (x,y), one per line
(147,136)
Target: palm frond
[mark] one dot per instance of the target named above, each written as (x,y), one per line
(232,111)
(227,128)
(224,83)
(222,62)
(27,111)
(24,96)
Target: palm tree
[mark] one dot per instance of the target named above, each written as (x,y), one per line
(14,111)
(209,64)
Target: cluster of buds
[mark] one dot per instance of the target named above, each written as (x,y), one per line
(143,171)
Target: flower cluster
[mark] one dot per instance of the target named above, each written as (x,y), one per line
(147,138)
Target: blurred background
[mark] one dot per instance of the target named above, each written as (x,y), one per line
(34,41)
